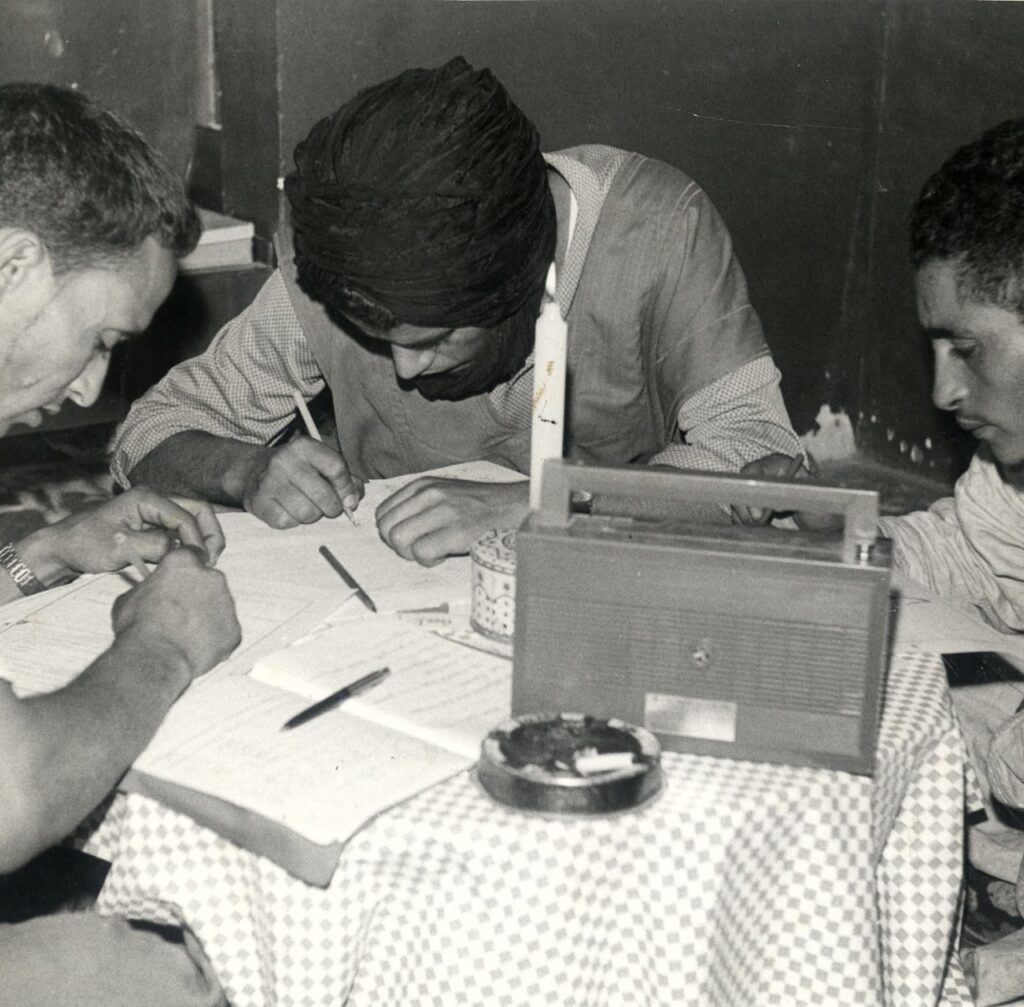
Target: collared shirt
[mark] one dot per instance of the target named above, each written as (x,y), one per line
(242,387)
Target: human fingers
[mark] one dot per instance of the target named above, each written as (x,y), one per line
(751,515)
(402,522)
(184,603)
(293,485)
(401,497)
(331,465)
(192,525)
(210,531)
(287,492)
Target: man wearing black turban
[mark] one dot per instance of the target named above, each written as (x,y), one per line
(424,220)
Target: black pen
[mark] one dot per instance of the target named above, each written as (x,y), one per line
(347,577)
(336,698)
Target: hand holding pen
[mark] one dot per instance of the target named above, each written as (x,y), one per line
(298,482)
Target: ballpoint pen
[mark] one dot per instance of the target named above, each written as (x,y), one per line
(347,577)
(336,698)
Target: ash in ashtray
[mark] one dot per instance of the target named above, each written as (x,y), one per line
(579,745)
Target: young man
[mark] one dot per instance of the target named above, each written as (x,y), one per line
(91,220)
(424,221)
(967,249)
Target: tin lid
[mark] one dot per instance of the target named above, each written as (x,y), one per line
(570,763)
(496,550)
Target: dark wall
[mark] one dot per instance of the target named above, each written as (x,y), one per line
(811,123)
(770,106)
(138,57)
(952,69)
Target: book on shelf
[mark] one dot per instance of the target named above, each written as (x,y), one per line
(224,241)
(221,756)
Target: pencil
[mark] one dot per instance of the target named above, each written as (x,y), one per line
(336,698)
(307,419)
(133,557)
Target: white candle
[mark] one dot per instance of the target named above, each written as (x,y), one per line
(547,430)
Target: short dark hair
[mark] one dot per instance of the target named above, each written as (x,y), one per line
(972,211)
(85,181)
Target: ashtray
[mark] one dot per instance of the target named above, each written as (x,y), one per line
(570,763)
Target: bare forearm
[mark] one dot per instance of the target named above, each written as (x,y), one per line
(200,465)
(38,553)
(64,752)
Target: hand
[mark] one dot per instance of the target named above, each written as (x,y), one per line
(779,466)
(430,518)
(299,483)
(773,466)
(100,539)
(183,606)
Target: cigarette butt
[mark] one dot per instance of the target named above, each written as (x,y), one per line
(603,762)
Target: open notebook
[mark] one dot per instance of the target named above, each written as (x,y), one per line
(294,796)
(221,756)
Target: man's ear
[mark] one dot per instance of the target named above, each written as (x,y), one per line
(22,255)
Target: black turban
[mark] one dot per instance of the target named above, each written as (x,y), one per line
(427,194)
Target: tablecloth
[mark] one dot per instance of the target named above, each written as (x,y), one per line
(740,884)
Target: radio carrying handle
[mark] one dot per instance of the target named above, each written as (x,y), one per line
(562,477)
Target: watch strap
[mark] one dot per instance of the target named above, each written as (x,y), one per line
(19,571)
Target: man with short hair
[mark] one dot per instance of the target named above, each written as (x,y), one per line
(967,250)
(424,220)
(91,220)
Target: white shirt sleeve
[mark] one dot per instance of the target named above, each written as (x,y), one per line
(969,548)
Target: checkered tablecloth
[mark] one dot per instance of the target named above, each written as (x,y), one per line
(741,884)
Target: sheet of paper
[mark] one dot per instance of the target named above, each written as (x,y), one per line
(324,780)
(48,639)
(927,623)
(393,583)
(438,691)
(282,589)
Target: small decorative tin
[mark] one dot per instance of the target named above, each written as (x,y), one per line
(493,604)
(570,763)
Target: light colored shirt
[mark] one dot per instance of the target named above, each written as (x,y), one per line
(676,317)
(241,388)
(969,548)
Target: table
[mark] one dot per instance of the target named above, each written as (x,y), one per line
(742,883)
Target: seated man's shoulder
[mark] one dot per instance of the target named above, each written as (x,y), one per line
(986,481)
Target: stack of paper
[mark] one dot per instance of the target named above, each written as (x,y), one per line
(221,755)
(225,241)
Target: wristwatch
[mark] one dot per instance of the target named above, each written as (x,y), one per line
(21,574)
